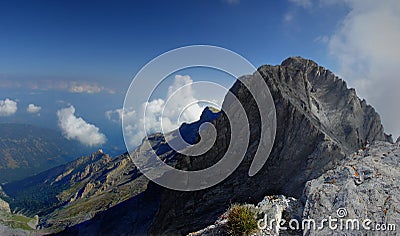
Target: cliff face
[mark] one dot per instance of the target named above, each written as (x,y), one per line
(319,121)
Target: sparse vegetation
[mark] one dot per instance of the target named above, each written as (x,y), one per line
(242,220)
(15,221)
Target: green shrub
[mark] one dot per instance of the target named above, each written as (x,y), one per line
(242,220)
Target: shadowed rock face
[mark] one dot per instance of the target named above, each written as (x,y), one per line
(319,122)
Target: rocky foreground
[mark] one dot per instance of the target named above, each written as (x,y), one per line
(361,196)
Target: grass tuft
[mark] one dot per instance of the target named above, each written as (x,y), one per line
(242,220)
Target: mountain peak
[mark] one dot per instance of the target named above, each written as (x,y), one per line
(298,62)
(99,154)
(319,122)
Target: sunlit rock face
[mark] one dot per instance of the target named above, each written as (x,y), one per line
(365,186)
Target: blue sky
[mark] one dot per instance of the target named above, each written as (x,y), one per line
(106,41)
(55,54)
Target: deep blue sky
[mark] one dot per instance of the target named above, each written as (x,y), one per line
(111,40)
(45,44)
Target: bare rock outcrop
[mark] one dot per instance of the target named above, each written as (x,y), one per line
(364,188)
(4,206)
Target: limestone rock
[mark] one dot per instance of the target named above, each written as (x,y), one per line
(365,186)
(34,222)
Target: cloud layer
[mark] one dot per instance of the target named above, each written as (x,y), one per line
(80,87)
(32,108)
(8,107)
(78,129)
(366,45)
(179,105)
(62,85)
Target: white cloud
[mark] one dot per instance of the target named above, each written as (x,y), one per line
(116,115)
(170,112)
(8,107)
(76,87)
(32,108)
(181,94)
(78,129)
(322,39)
(366,45)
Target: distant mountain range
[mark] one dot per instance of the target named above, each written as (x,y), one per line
(26,150)
(320,124)
(77,191)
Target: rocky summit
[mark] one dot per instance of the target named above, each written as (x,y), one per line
(321,161)
(319,121)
